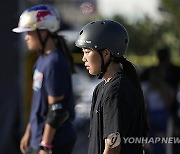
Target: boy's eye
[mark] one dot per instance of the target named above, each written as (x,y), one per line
(86,52)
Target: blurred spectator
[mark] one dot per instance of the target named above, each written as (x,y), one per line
(159,97)
(50,128)
(171,75)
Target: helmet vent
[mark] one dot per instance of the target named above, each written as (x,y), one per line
(92,22)
(81,32)
(126,40)
(103,22)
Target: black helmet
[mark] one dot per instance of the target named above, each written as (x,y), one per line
(104,34)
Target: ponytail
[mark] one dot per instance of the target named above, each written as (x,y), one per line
(132,75)
(62,46)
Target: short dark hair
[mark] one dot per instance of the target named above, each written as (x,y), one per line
(163,54)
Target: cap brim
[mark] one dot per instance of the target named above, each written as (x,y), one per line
(22,29)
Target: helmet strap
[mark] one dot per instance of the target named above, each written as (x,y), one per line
(43,43)
(103,66)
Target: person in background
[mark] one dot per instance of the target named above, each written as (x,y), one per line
(171,73)
(118,108)
(50,128)
(159,96)
(172,77)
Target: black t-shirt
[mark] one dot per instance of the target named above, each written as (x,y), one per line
(115,108)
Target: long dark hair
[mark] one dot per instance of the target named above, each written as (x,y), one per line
(130,70)
(62,46)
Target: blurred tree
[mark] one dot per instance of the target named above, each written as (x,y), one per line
(170,10)
(142,35)
(146,35)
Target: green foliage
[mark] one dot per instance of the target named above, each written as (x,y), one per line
(172,8)
(146,36)
(172,35)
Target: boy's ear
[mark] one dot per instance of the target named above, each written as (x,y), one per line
(106,54)
(44,33)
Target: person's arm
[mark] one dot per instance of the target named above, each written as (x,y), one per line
(49,131)
(111,120)
(25,139)
(110,149)
(56,85)
(168,94)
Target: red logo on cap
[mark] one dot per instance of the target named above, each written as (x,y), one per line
(42,14)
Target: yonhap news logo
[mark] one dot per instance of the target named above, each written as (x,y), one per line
(151,140)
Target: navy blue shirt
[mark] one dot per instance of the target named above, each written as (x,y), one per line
(51,77)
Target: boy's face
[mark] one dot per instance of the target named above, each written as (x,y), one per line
(92,61)
(32,40)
